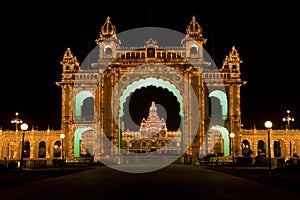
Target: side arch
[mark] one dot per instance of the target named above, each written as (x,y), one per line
(225,137)
(77,137)
(80,97)
(223,100)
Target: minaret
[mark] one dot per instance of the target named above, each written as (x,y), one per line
(70,67)
(232,83)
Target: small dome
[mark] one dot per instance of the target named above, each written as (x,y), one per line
(193,28)
(108,29)
(194,31)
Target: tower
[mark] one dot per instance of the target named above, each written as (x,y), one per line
(232,81)
(70,66)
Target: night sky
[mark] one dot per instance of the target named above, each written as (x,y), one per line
(36,35)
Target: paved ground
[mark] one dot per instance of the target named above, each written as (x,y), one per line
(285,178)
(172,182)
(15,177)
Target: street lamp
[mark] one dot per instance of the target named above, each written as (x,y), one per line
(62,136)
(24,127)
(288,118)
(231,135)
(16,121)
(268,125)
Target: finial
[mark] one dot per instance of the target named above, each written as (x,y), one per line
(194,18)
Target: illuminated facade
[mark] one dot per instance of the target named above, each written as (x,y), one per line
(153,135)
(88,114)
(120,70)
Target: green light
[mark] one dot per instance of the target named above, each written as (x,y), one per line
(223,100)
(77,137)
(80,97)
(225,137)
(150,82)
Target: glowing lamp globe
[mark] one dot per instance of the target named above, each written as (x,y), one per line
(268,124)
(24,126)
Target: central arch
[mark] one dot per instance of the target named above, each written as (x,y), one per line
(150,81)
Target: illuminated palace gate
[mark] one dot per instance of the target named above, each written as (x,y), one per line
(93,94)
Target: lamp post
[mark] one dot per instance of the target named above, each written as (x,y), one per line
(268,125)
(288,118)
(24,127)
(16,121)
(231,135)
(62,136)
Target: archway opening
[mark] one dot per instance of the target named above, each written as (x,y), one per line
(77,140)
(222,103)
(212,141)
(137,107)
(84,105)
(153,83)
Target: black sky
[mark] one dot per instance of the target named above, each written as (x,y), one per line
(35,36)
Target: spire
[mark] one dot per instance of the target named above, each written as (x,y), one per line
(194,31)
(69,58)
(232,61)
(234,55)
(70,61)
(153,107)
(107,30)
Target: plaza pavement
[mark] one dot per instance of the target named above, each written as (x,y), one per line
(175,181)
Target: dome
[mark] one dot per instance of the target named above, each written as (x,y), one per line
(194,31)
(108,29)
(193,28)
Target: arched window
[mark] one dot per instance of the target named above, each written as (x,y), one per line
(194,50)
(277,149)
(234,67)
(107,51)
(261,148)
(42,149)
(246,151)
(26,153)
(57,149)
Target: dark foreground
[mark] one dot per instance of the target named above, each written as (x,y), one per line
(285,178)
(171,182)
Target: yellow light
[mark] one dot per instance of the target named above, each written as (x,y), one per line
(62,136)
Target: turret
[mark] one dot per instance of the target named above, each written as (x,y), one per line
(194,40)
(70,65)
(107,41)
(232,61)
